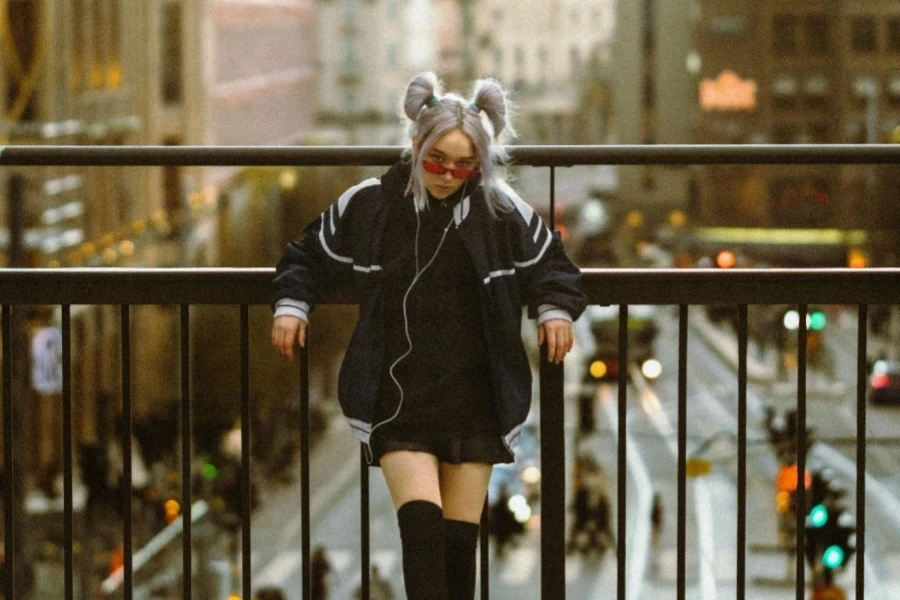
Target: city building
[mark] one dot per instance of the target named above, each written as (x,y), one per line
(654,101)
(155,72)
(811,72)
(368,51)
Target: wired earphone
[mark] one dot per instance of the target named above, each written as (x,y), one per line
(415,279)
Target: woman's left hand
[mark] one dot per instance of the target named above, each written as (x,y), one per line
(558,335)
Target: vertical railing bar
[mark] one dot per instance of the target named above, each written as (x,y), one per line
(68,513)
(365,529)
(741,566)
(621,532)
(861,428)
(553,462)
(552,198)
(246,481)
(800,492)
(186,431)
(681,577)
(553,479)
(304,469)
(125,325)
(484,551)
(8,463)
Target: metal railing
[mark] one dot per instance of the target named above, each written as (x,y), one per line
(623,287)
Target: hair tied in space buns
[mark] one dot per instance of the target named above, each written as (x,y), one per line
(490,99)
(423,90)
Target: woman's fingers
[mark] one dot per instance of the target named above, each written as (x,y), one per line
(286,331)
(559,338)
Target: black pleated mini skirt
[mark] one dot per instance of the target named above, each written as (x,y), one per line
(488,449)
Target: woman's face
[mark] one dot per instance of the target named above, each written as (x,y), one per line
(453,150)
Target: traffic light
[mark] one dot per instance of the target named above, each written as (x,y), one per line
(830,530)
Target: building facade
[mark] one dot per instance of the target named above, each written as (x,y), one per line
(800,72)
(155,72)
(653,100)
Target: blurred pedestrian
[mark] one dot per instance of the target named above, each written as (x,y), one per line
(442,254)
(657,518)
(379,587)
(502,522)
(319,574)
(269,593)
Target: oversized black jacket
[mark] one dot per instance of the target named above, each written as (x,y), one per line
(519,260)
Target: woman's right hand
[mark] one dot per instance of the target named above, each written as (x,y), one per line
(285,331)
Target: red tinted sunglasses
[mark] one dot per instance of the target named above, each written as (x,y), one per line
(439,169)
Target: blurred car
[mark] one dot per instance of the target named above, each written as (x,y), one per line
(603,364)
(884,382)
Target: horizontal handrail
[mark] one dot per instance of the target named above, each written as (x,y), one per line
(561,156)
(603,286)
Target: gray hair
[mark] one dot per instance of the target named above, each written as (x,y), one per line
(483,119)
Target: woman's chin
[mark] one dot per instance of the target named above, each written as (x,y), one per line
(441,192)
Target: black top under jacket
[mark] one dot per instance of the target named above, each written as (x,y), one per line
(440,385)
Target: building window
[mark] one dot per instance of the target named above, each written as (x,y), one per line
(893,34)
(893,89)
(114,64)
(784,133)
(543,67)
(862,31)
(820,132)
(392,55)
(520,66)
(784,34)
(172,89)
(98,46)
(575,61)
(784,92)
(817,33)
(76,67)
(817,92)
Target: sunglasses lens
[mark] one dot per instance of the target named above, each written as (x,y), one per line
(462,173)
(433,167)
(438,169)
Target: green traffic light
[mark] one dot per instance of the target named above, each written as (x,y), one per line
(818,515)
(833,557)
(210,471)
(817,320)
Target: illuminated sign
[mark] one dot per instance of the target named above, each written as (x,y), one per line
(728,92)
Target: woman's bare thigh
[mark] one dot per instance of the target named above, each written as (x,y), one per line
(463,490)
(411,476)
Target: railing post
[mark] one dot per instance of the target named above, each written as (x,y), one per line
(553,480)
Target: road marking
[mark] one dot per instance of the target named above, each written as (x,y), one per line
(385,560)
(518,566)
(280,568)
(340,559)
(705,538)
(574,566)
(702,504)
(640,533)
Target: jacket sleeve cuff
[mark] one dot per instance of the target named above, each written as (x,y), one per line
(547,312)
(292,308)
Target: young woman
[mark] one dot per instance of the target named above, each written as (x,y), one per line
(441,255)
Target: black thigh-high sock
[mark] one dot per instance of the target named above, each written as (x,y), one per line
(422,538)
(462,540)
